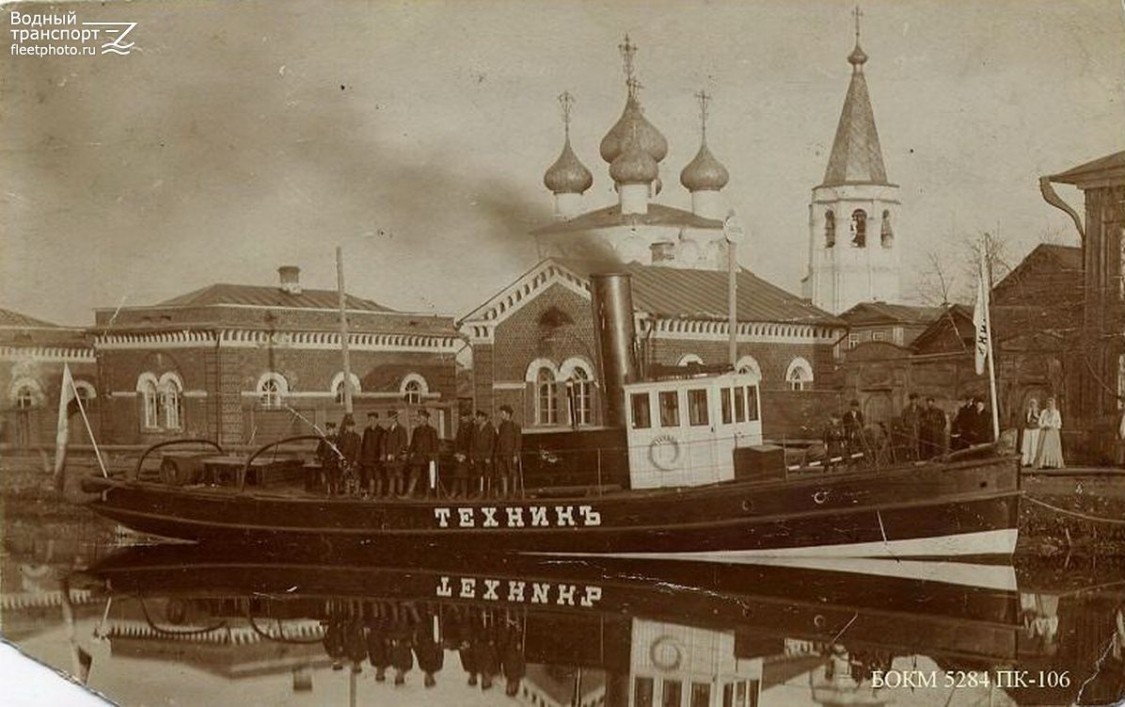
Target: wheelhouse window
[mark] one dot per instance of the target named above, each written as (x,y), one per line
(727,410)
(643,692)
(752,403)
(697,408)
(642,413)
(739,405)
(546,401)
(672,696)
(669,408)
(700,694)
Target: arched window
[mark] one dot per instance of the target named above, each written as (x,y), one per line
(86,392)
(414,388)
(546,402)
(580,395)
(24,398)
(337,386)
(829,229)
(749,365)
(688,359)
(799,375)
(272,388)
(170,401)
(859,228)
(886,231)
(147,391)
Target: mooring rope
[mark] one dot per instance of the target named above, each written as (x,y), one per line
(1076,514)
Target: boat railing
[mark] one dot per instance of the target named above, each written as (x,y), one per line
(245,471)
(136,474)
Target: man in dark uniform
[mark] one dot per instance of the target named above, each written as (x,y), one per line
(328,455)
(378,648)
(462,448)
(980,423)
(369,478)
(509,444)
(911,425)
(853,428)
(512,662)
(959,429)
(393,451)
(423,450)
(348,444)
(834,440)
(428,653)
(483,450)
(932,426)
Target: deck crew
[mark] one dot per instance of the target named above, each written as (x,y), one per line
(911,419)
(400,638)
(853,427)
(423,450)
(462,448)
(959,429)
(512,661)
(979,423)
(483,450)
(834,440)
(378,650)
(356,644)
(509,444)
(370,480)
(328,455)
(932,430)
(393,452)
(348,444)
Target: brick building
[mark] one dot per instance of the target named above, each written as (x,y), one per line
(242,363)
(534,346)
(32,355)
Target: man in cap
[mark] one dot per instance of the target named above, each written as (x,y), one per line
(932,426)
(423,449)
(328,456)
(462,448)
(509,444)
(348,444)
(911,421)
(369,478)
(393,452)
(959,429)
(853,428)
(482,451)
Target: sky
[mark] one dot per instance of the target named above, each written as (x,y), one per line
(237,137)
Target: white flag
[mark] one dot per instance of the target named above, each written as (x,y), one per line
(66,396)
(980,315)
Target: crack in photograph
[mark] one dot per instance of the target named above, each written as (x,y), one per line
(562,353)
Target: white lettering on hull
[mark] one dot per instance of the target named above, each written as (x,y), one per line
(514,517)
(514,591)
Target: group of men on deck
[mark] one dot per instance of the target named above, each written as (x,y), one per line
(918,434)
(387,462)
(487,456)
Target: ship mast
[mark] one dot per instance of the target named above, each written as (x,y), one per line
(344,330)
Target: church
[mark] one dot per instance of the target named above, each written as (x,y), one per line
(533,342)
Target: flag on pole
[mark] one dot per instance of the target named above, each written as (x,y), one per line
(67,398)
(980,315)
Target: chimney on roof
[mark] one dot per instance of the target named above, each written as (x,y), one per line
(290,279)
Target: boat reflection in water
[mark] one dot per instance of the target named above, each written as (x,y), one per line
(614,633)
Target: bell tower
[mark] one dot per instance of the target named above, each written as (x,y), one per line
(854,245)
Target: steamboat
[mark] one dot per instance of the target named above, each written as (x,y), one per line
(700,486)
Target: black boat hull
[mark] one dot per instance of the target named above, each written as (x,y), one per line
(932,510)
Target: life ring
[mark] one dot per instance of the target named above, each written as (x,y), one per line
(664,452)
(665,653)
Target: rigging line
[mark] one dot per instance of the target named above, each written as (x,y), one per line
(883,532)
(1076,514)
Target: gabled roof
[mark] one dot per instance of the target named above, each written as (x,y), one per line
(267,296)
(888,313)
(1110,168)
(15,320)
(665,292)
(611,217)
(856,155)
(1068,260)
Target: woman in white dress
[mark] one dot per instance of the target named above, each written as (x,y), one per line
(1030,444)
(1050,443)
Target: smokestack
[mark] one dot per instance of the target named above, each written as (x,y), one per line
(612,301)
(290,279)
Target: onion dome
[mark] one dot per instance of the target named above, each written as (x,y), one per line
(634,165)
(704,173)
(633,120)
(568,175)
(858,57)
